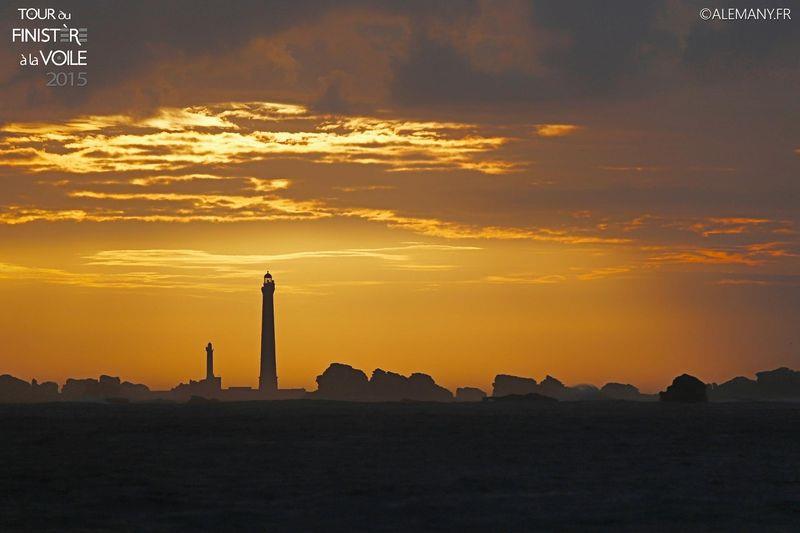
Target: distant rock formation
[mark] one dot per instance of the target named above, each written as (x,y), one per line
(779,384)
(685,389)
(422,388)
(620,391)
(738,388)
(469,394)
(505,385)
(782,383)
(343,382)
(531,397)
(583,393)
(15,390)
(106,387)
(387,386)
(553,388)
(44,392)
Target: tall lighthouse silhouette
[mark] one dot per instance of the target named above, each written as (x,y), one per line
(268,379)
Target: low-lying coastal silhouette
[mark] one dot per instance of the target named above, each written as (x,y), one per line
(342,382)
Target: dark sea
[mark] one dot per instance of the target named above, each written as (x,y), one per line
(330,466)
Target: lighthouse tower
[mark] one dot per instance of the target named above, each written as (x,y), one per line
(268,379)
(209,362)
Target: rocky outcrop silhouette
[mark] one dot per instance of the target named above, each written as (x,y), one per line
(583,393)
(102,389)
(15,390)
(44,392)
(391,387)
(553,388)
(782,383)
(422,387)
(342,382)
(738,388)
(469,394)
(505,385)
(685,389)
(620,391)
(387,386)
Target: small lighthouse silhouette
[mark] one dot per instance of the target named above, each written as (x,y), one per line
(268,379)
(209,362)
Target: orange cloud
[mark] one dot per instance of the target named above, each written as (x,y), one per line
(238,132)
(729,225)
(527,279)
(556,130)
(201,259)
(605,272)
(452,230)
(360,188)
(748,255)
(177,268)
(168,180)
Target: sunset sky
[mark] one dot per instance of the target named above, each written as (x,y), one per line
(596,191)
